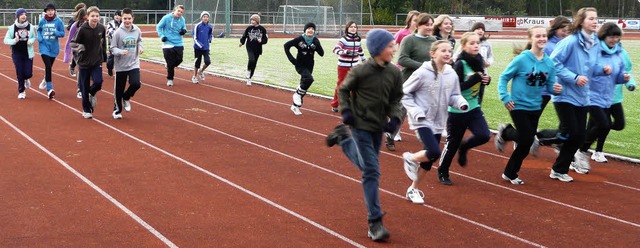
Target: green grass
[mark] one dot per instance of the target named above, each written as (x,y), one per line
(274,68)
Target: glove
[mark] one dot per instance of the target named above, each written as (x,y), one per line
(348,118)
(164,39)
(392,125)
(183,31)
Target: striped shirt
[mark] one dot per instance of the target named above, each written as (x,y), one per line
(349,50)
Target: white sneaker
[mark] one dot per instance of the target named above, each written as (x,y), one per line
(582,161)
(533,150)
(296,110)
(561,177)
(87,115)
(51,93)
(248,74)
(94,100)
(116,116)
(127,105)
(169,82)
(27,83)
(22,95)
(498,141)
(397,137)
(297,99)
(79,94)
(575,167)
(201,74)
(415,195)
(512,181)
(194,79)
(410,166)
(249,82)
(43,85)
(599,157)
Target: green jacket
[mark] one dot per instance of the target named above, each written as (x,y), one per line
(372,92)
(414,51)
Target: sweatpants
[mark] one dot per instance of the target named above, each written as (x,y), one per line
(110,62)
(24,68)
(173,57)
(617,113)
(431,145)
(342,74)
(119,89)
(48,64)
(253,61)
(84,76)
(198,54)
(526,123)
(574,120)
(457,124)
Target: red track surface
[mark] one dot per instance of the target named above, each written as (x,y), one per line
(223,164)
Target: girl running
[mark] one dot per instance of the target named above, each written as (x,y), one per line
(81,17)
(50,28)
(255,36)
(21,36)
(350,54)
(410,26)
(601,89)
(470,70)
(427,93)
(443,29)
(307,45)
(575,58)
(529,72)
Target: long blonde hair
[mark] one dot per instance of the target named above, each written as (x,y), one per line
(434,48)
(519,49)
(438,21)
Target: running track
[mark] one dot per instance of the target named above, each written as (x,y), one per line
(223,164)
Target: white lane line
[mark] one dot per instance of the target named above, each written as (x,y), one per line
(249,192)
(104,194)
(623,186)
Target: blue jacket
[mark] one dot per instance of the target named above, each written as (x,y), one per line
(602,86)
(48,34)
(618,96)
(170,27)
(525,94)
(551,44)
(202,36)
(573,59)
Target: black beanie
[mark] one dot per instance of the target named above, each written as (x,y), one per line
(309,25)
(118,13)
(49,6)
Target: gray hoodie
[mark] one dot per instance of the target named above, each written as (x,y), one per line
(427,96)
(126,40)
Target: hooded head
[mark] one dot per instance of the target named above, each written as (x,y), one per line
(378,40)
(20,11)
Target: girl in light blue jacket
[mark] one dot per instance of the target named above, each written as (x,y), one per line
(50,28)
(427,93)
(21,36)
(575,61)
(529,73)
(603,85)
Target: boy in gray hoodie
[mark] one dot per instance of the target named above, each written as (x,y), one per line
(126,47)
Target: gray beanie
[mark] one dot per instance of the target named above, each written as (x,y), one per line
(378,40)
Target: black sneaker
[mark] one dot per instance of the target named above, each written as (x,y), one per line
(389,142)
(339,133)
(377,232)
(110,72)
(444,180)
(462,157)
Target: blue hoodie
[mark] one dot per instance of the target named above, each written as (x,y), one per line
(202,36)
(524,93)
(602,85)
(618,95)
(170,27)
(573,59)
(48,34)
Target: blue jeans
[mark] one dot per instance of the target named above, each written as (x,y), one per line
(362,149)
(85,75)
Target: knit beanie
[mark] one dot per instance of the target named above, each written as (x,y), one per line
(378,40)
(309,25)
(256,18)
(20,11)
(49,6)
(204,13)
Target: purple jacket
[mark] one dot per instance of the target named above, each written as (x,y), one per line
(67,49)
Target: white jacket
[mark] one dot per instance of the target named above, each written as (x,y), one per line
(427,96)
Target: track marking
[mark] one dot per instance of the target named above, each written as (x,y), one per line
(104,194)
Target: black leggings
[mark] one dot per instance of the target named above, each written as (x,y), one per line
(526,123)
(574,120)
(198,55)
(431,144)
(253,61)
(48,63)
(617,113)
(173,57)
(599,125)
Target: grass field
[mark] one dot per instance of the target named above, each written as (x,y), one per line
(274,68)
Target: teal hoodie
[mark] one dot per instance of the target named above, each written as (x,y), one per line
(618,96)
(524,93)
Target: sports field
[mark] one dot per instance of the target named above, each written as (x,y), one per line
(274,68)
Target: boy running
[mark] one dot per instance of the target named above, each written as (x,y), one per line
(202,36)
(126,46)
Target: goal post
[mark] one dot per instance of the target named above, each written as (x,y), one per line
(292,18)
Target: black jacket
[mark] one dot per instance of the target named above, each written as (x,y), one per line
(251,36)
(304,58)
(90,45)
